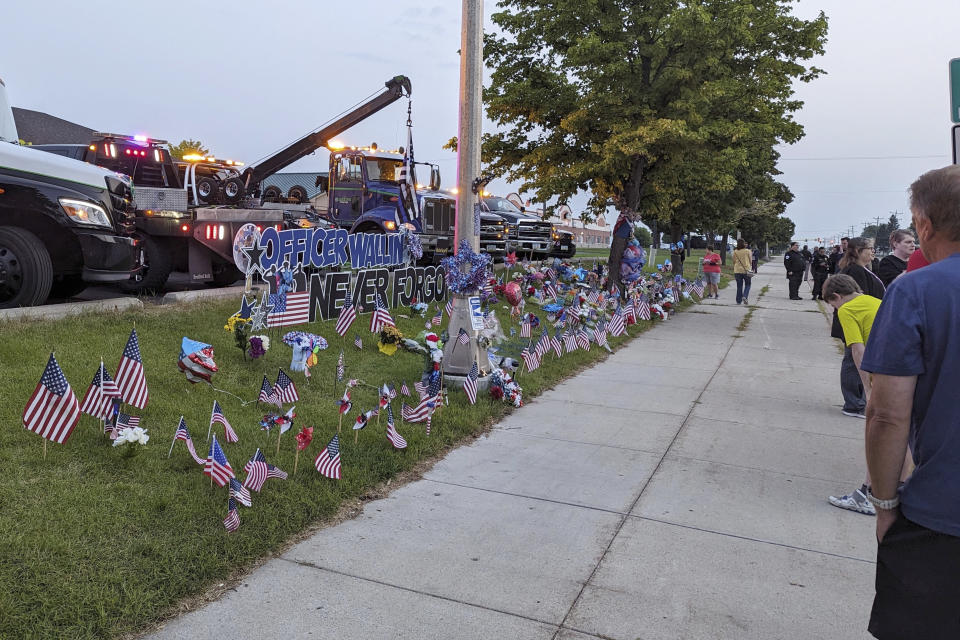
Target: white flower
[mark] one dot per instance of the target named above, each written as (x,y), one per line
(143,437)
(138,435)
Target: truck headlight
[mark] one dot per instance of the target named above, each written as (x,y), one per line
(85,212)
(390,225)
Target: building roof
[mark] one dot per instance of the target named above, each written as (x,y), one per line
(37,127)
(284,181)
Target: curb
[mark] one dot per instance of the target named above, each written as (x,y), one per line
(175,297)
(57,311)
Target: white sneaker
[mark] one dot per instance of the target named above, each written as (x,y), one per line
(855,501)
(854,414)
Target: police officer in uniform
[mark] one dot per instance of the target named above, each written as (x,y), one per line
(794,263)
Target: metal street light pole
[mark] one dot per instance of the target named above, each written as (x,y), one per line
(458,359)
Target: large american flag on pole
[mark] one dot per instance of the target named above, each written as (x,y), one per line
(470,384)
(217,466)
(347,315)
(380,318)
(408,185)
(99,397)
(130,378)
(52,411)
(328,460)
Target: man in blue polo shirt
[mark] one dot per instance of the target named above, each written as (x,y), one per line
(914,355)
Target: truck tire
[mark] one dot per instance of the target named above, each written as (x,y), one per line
(208,189)
(67,286)
(26,272)
(225,275)
(297,193)
(272,194)
(233,190)
(155,267)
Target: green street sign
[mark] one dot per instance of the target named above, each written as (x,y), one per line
(955,90)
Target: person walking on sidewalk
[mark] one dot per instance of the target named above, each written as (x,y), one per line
(807,259)
(711,271)
(912,354)
(856,312)
(903,245)
(819,268)
(742,271)
(793,263)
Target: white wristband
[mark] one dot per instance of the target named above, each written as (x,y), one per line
(886,505)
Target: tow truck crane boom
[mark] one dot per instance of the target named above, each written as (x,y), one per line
(396,88)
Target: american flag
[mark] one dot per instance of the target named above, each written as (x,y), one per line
(551,290)
(470,384)
(344,402)
(404,389)
(341,370)
(240,493)
(529,359)
(392,434)
(130,378)
(551,274)
(347,315)
(380,318)
(641,307)
(288,309)
(232,521)
(561,320)
(98,399)
(583,340)
(543,345)
(391,391)
(421,411)
(183,434)
(217,416)
(408,186)
(525,328)
(328,460)
(267,393)
(216,465)
(421,388)
(594,297)
(463,337)
(285,389)
(357,342)
(698,287)
(617,325)
(52,411)
(258,471)
(630,312)
(123,421)
(555,343)
(570,342)
(600,335)
(437,319)
(449,308)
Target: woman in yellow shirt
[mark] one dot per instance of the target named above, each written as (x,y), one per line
(742,271)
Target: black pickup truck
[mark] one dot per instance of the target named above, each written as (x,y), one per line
(63,223)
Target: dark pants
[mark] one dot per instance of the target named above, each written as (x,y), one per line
(850,384)
(794,279)
(818,280)
(743,286)
(617,248)
(917,586)
(755,265)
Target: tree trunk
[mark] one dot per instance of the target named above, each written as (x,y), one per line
(723,248)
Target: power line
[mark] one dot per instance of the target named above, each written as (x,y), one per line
(939,155)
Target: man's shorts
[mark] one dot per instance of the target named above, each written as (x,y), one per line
(918,584)
(712,278)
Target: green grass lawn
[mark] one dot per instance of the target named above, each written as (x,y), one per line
(95,543)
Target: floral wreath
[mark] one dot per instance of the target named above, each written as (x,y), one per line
(474,279)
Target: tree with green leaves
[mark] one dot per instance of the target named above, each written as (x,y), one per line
(186,147)
(642,105)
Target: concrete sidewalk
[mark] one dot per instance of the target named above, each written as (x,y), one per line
(677,490)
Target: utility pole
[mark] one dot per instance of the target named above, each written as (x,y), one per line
(876,243)
(457,362)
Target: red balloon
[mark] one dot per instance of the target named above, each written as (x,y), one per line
(513,293)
